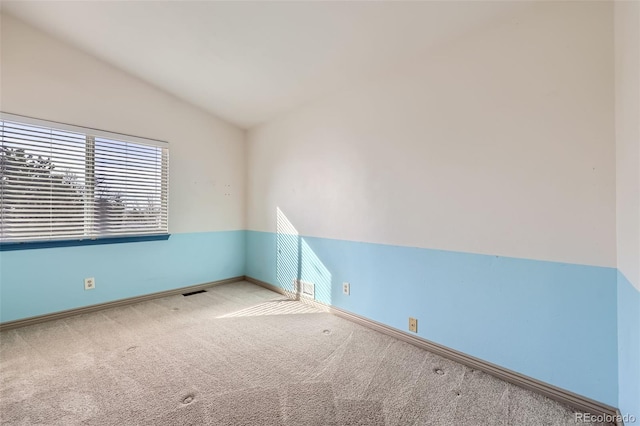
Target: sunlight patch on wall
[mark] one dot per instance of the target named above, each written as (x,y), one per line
(313,270)
(296,262)
(288,255)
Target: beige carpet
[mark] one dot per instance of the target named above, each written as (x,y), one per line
(242,355)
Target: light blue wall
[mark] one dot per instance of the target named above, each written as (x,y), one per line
(46,280)
(628,347)
(551,321)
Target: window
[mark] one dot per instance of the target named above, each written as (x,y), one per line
(62,182)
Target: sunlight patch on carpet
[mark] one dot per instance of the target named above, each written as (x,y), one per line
(274,307)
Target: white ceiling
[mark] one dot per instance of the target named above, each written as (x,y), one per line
(247,62)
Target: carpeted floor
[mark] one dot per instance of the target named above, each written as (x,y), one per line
(241,355)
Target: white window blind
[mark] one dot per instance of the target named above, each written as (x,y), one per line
(61,182)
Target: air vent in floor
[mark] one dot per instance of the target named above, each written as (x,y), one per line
(194,292)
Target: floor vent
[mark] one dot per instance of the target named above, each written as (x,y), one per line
(194,292)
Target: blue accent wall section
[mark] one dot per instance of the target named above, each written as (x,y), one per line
(564,324)
(262,256)
(555,322)
(46,280)
(628,347)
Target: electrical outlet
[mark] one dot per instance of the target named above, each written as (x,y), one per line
(413,324)
(346,288)
(89,283)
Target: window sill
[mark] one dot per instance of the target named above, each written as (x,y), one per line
(28,245)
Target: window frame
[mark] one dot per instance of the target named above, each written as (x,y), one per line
(90,135)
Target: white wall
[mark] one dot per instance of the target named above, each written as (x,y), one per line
(627,44)
(44,78)
(500,143)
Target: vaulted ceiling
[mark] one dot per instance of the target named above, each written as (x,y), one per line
(248,62)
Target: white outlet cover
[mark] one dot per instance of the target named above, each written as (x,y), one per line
(346,288)
(89,283)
